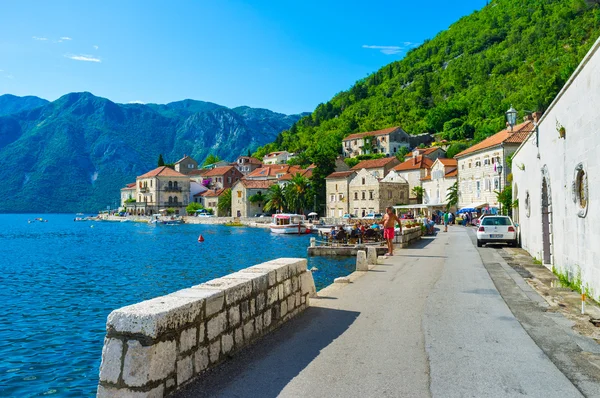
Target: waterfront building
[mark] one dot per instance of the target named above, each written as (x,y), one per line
(210,200)
(556,181)
(127,194)
(483,168)
(242,190)
(221,177)
(414,170)
(338,192)
(185,165)
(196,189)
(162,188)
(430,153)
(277,157)
(370,194)
(387,141)
(247,164)
(442,175)
(378,167)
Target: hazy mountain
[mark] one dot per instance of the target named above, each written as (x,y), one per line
(12,104)
(74,154)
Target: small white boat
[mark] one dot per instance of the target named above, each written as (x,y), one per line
(288,224)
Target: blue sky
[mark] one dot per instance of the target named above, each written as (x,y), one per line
(281,55)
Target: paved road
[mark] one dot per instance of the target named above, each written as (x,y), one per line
(429,322)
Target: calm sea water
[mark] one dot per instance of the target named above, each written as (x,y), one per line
(59,280)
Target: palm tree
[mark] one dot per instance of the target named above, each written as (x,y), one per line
(296,193)
(275,199)
(225,202)
(452,196)
(418,192)
(257,198)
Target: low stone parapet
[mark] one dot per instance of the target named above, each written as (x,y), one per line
(157,346)
(409,236)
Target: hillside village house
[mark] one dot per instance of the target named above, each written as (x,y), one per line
(277,157)
(220,163)
(247,164)
(436,184)
(483,168)
(306,173)
(413,171)
(272,172)
(186,165)
(387,141)
(430,153)
(338,193)
(556,179)
(378,167)
(369,194)
(241,192)
(162,188)
(222,177)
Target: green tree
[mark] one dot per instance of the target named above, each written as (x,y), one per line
(296,193)
(452,196)
(401,154)
(456,148)
(161,161)
(225,203)
(275,199)
(210,159)
(192,207)
(257,198)
(505,200)
(418,192)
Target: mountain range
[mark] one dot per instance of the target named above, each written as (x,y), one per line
(75,153)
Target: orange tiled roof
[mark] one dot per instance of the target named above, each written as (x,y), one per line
(371,133)
(211,193)
(199,172)
(421,163)
(448,162)
(517,136)
(250,159)
(273,154)
(340,174)
(426,178)
(257,184)
(304,173)
(130,186)
(162,171)
(218,171)
(273,169)
(373,163)
(424,151)
(452,173)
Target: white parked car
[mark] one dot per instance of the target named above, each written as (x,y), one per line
(205,215)
(497,229)
(373,216)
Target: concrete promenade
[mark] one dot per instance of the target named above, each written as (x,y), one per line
(428,322)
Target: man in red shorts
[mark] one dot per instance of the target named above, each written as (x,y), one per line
(389,222)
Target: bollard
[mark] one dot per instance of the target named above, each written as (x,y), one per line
(361,261)
(313,242)
(371,256)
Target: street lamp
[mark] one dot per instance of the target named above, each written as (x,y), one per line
(499,168)
(511,117)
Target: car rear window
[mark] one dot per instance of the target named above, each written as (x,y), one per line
(495,221)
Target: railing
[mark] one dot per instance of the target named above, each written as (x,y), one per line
(144,189)
(172,189)
(174,204)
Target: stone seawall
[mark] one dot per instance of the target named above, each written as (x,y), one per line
(409,236)
(155,347)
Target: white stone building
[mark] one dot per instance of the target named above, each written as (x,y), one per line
(337,186)
(369,194)
(483,168)
(277,157)
(387,141)
(378,167)
(437,183)
(556,179)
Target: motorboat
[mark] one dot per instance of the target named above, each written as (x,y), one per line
(289,224)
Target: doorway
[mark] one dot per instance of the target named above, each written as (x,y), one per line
(546,222)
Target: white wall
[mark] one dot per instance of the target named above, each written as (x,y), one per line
(575,240)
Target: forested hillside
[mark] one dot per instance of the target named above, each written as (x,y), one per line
(461,82)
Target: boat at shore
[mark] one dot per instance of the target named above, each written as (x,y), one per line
(289,224)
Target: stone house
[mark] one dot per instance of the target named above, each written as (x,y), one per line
(442,175)
(220,163)
(222,177)
(242,190)
(273,172)
(277,157)
(247,164)
(338,193)
(556,180)
(430,153)
(186,165)
(369,194)
(210,200)
(387,141)
(378,167)
(414,170)
(483,168)
(162,188)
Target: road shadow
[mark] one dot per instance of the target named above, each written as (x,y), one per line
(266,367)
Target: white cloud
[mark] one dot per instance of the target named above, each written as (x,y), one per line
(66,38)
(95,47)
(83,57)
(39,38)
(136,102)
(388,50)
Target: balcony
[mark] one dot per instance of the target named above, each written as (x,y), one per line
(144,190)
(172,189)
(174,204)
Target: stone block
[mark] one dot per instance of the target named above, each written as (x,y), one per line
(213,295)
(266,319)
(302,299)
(144,364)
(343,279)
(110,392)
(170,383)
(214,351)
(272,295)
(154,317)
(295,283)
(252,307)
(238,287)
(185,369)
(361,261)
(227,343)
(234,316)
(201,359)
(283,309)
(245,307)
(282,274)
(239,337)
(260,283)
(291,302)
(187,339)
(110,369)
(201,334)
(258,324)
(307,284)
(287,287)
(371,256)
(282,294)
(216,325)
(249,330)
(298,295)
(261,301)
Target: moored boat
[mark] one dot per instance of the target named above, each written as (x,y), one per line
(288,224)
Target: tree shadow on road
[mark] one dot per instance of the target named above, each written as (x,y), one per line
(266,367)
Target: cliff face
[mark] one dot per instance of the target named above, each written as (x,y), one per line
(74,154)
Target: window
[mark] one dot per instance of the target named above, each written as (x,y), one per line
(239,194)
(336,187)
(190,166)
(364,195)
(229,180)
(150,183)
(341,197)
(355,195)
(332,198)
(469,164)
(395,149)
(496,183)
(363,181)
(370,195)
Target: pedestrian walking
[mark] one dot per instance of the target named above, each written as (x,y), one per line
(446,218)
